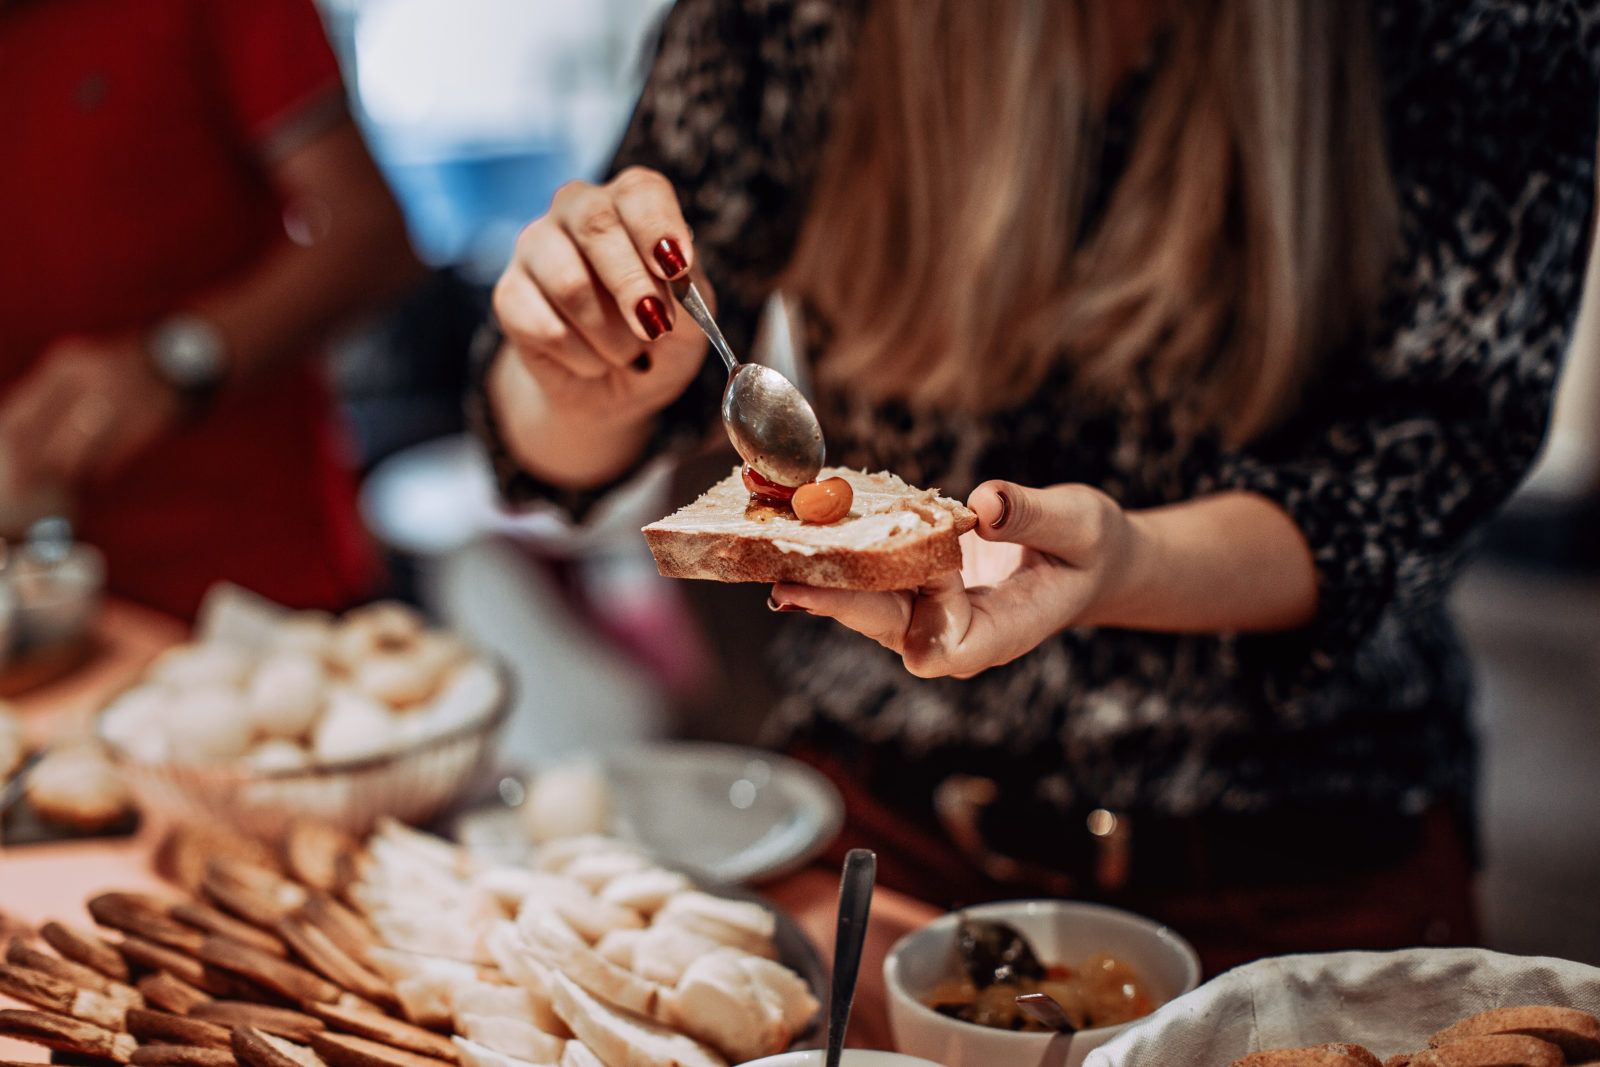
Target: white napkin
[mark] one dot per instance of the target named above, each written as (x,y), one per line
(1387,1001)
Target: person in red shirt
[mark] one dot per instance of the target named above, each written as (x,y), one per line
(186,211)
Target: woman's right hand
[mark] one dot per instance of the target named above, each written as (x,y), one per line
(585,307)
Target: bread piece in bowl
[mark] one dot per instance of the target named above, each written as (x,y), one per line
(895,536)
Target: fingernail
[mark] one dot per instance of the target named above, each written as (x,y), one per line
(670,257)
(652,316)
(641,362)
(1005,511)
(773,605)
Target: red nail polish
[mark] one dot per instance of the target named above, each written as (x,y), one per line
(653,317)
(670,257)
(641,362)
(1005,511)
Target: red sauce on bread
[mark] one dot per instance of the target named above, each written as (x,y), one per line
(764,489)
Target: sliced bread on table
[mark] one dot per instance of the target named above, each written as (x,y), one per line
(895,536)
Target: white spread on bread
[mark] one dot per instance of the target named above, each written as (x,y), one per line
(885,508)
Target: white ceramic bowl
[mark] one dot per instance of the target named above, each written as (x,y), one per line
(1061,932)
(853,1057)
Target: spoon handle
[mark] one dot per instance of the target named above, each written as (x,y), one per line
(855,902)
(695,304)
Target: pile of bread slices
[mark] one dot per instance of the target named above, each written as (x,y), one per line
(409,952)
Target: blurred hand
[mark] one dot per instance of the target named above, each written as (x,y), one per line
(1040,560)
(585,306)
(89,406)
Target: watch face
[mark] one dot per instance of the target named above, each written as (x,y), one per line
(189,353)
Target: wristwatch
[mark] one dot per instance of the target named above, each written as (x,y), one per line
(190,355)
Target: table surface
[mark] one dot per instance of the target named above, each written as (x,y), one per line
(51,881)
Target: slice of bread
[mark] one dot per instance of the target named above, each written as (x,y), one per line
(1334,1055)
(895,537)
(1577,1033)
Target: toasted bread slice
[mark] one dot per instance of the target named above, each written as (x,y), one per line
(181,1056)
(1334,1055)
(1491,1050)
(1577,1033)
(257,1048)
(894,537)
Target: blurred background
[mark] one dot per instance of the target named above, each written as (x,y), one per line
(477,110)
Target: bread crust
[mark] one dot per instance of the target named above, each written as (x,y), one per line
(709,540)
(719,558)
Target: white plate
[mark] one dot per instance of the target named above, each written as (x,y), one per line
(723,813)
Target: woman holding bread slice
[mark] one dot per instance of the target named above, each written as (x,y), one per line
(1230,320)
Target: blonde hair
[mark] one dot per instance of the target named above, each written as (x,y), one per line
(1244,243)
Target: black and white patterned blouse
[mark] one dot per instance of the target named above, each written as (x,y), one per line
(1491,120)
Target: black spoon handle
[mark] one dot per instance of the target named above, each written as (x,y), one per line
(855,903)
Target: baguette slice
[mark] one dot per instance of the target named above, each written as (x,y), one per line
(66,1034)
(165,1028)
(181,1056)
(242,1014)
(81,946)
(170,993)
(353,1016)
(257,1048)
(895,537)
(21,954)
(622,1040)
(343,1050)
(473,1054)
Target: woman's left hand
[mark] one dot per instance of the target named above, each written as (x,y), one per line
(1040,560)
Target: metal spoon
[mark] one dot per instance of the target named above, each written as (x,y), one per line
(1047,1010)
(855,902)
(771,425)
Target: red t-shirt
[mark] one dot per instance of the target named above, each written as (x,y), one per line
(136,142)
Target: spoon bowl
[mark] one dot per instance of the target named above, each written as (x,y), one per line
(771,425)
(769,421)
